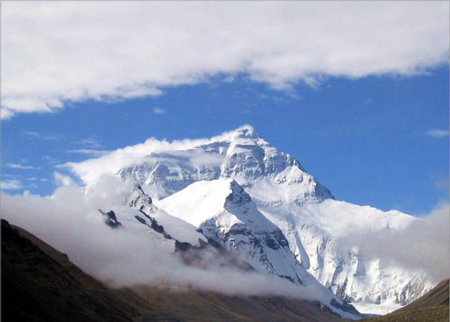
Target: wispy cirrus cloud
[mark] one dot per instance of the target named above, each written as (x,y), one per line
(62,179)
(75,55)
(91,142)
(437,133)
(35,179)
(11,184)
(90,147)
(50,160)
(19,166)
(43,136)
(158,110)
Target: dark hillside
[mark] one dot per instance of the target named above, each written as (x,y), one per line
(39,283)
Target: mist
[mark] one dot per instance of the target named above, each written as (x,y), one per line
(69,221)
(90,171)
(422,245)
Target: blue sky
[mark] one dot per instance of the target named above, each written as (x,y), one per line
(372,126)
(366,140)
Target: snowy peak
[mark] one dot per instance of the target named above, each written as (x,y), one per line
(237,198)
(244,158)
(240,204)
(250,156)
(244,132)
(226,213)
(223,200)
(138,213)
(240,155)
(252,160)
(262,205)
(138,199)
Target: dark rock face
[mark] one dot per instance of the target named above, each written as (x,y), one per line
(239,239)
(153,224)
(182,246)
(253,237)
(110,219)
(141,220)
(142,197)
(275,240)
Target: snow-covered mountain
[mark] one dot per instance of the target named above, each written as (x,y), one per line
(317,234)
(224,215)
(225,212)
(285,197)
(161,221)
(242,155)
(139,215)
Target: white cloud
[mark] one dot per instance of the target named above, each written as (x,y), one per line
(158,110)
(90,143)
(62,179)
(11,185)
(70,222)
(6,113)
(90,171)
(20,166)
(50,160)
(423,244)
(43,136)
(436,133)
(54,52)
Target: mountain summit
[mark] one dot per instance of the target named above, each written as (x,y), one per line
(241,155)
(286,195)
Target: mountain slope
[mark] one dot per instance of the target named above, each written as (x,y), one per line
(433,307)
(195,305)
(312,222)
(225,212)
(318,234)
(240,155)
(438,296)
(217,211)
(41,284)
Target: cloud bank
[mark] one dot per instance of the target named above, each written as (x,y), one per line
(59,52)
(436,133)
(91,170)
(19,166)
(11,184)
(68,221)
(423,244)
